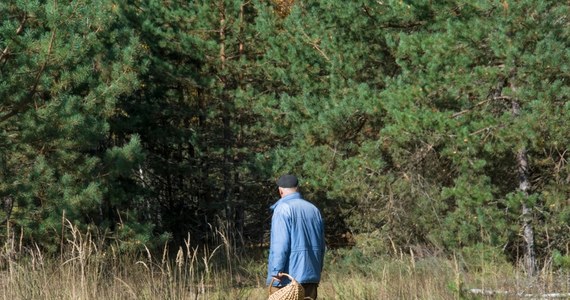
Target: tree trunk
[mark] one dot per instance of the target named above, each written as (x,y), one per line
(8,204)
(239,217)
(524,186)
(227,160)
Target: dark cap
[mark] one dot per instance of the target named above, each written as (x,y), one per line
(288,181)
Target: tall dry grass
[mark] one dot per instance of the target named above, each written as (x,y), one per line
(90,268)
(351,274)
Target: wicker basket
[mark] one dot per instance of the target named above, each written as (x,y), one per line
(293,291)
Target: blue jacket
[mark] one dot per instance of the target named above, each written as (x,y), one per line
(297,245)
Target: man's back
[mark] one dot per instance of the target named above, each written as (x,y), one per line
(306,225)
(297,240)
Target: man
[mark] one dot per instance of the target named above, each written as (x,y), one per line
(297,244)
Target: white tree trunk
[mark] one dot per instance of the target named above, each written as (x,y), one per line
(524,186)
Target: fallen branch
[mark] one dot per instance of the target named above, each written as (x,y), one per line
(484,292)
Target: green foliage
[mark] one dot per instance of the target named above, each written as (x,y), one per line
(193,114)
(460,75)
(324,68)
(400,115)
(481,256)
(61,74)
(402,118)
(560,261)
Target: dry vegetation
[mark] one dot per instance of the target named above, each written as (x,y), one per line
(88,270)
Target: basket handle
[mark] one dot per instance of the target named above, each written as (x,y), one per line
(271,284)
(280,274)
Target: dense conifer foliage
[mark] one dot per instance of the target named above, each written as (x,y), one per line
(431,125)
(62,68)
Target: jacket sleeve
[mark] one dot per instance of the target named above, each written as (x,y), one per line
(280,241)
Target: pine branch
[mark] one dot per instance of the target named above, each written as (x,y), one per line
(316,46)
(4,54)
(494,95)
(33,90)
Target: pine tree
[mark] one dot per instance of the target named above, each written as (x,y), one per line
(475,89)
(62,68)
(405,115)
(193,115)
(326,64)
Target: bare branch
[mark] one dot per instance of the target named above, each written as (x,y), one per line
(457,114)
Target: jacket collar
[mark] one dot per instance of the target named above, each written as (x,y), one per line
(295,195)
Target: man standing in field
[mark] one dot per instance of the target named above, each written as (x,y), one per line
(297,245)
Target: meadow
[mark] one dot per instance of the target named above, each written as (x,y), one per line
(89,268)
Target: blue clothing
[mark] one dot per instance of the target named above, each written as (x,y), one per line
(297,245)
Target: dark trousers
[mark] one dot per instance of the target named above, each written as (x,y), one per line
(310,290)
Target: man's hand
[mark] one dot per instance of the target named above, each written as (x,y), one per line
(278,276)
